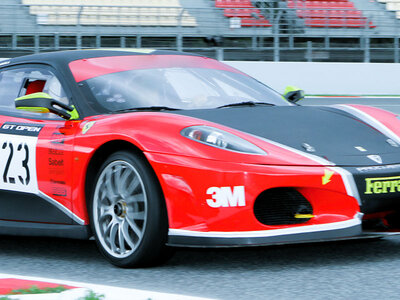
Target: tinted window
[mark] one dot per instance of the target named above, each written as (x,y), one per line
(182,88)
(19,82)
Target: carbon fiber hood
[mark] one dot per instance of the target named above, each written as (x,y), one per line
(324,131)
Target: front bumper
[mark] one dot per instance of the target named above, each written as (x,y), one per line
(194,221)
(312,233)
(378,187)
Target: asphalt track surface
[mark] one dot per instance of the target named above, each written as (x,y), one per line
(336,270)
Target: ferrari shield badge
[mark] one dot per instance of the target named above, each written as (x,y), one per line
(87,126)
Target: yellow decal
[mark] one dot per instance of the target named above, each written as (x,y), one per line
(74,114)
(42,110)
(327,177)
(383,185)
(303,216)
(87,126)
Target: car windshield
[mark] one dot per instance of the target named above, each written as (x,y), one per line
(178,88)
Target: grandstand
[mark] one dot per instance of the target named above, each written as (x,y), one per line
(101,13)
(278,30)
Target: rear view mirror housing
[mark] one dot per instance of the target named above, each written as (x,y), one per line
(293,94)
(44,103)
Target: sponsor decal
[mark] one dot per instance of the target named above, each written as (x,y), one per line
(59,191)
(21,129)
(59,142)
(359,148)
(56,154)
(226,196)
(56,150)
(57,181)
(56,162)
(53,151)
(308,147)
(375,158)
(382,185)
(87,126)
(57,138)
(378,168)
(327,176)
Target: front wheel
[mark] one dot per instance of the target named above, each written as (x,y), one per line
(127,212)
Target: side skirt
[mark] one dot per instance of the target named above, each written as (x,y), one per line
(81,232)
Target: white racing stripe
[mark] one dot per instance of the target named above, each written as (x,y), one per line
(369,120)
(269,233)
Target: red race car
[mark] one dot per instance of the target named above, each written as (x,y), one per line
(147,149)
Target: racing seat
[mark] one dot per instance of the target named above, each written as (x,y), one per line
(34,86)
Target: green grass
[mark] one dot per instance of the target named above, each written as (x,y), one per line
(92,296)
(35,290)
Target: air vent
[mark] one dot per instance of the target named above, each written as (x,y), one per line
(282,206)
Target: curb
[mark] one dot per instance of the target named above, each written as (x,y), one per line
(79,290)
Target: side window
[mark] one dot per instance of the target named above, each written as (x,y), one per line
(19,82)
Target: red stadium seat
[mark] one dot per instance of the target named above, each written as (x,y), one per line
(233,4)
(291,4)
(240,13)
(251,22)
(338,22)
(249,15)
(333,13)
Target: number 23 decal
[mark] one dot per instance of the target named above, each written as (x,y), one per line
(24,163)
(18,163)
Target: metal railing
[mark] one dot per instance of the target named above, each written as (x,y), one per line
(287,37)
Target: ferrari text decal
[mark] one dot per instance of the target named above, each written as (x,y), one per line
(226,197)
(382,185)
(18,166)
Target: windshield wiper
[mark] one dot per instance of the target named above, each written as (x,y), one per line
(149,108)
(246,103)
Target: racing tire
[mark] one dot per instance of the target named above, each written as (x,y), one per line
(127,212)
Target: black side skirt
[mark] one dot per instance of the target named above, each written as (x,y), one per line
(81,232)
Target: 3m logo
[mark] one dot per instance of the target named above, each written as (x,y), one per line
(226,197)
(383,185)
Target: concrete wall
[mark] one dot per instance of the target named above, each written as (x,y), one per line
(326,78)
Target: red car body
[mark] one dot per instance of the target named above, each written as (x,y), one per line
(212,196)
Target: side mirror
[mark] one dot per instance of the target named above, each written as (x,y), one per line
(43,103)
(293,94)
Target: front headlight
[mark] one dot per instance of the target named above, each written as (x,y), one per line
(220,139)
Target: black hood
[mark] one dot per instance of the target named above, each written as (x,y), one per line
(334,134)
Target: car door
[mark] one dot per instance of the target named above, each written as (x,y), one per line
(35,150)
